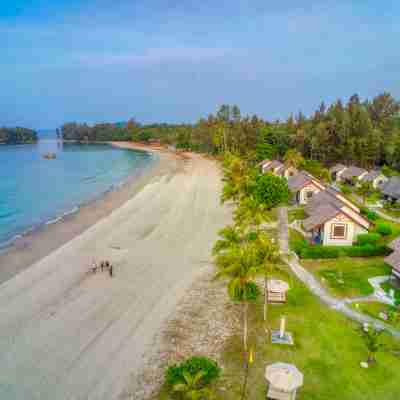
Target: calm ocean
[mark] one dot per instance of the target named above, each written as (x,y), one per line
(35,191)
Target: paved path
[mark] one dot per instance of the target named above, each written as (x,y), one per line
(313,284)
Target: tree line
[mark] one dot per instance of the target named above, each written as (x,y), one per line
(17,136)
(361,132)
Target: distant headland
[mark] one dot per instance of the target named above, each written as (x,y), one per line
(18,136)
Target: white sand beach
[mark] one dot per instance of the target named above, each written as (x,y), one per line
(70,334)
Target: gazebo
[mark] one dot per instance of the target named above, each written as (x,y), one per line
(276,290)
(284,380)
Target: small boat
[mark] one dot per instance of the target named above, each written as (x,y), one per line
(50,156)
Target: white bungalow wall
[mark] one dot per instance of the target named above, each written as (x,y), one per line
(352,231)
(302,199)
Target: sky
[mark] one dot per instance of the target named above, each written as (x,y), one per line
(178,60)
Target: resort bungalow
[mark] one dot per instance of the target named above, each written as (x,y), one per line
(333,220)
(272,166)
(277,168)
(376,178)
(353,175)
(304,186)
(336,172)
(391,189)
(393,259)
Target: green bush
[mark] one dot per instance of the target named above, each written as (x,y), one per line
(319,251)
(367,250)
(368,238)
(371,215)
(193,365)
(384,229)
(298,245)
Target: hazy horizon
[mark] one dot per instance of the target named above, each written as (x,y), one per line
(169,61)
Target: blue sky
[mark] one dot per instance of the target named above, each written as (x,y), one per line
(177,60)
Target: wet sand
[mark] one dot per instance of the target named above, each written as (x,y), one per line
(67,333)
(37,244)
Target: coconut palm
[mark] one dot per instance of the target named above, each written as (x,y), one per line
(293,158)
(191,388)
(269,253)
(240,265)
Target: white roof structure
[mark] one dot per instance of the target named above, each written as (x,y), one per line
(284,377)
(276,285)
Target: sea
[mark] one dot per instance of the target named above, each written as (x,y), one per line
(35,191)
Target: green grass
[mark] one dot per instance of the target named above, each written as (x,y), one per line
(374,308)
(392,212)
(387,286)
(296,214)
(348,277)
(294,237)
(328,349)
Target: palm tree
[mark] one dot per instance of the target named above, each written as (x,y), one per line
(293,158)
(192,388)
(269,253)
(236,178)
(240,264)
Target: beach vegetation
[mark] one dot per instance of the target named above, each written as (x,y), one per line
(17,136)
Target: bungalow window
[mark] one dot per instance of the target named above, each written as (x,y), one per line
(338,231)
(309,194)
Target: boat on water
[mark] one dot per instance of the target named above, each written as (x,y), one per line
(49,156)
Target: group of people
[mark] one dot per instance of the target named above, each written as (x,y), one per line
(104,265)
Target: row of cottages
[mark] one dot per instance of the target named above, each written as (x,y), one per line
(355,175)
(277,168)
(394,258)
(332,219)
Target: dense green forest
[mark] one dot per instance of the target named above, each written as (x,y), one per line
(17,136)
(361,132)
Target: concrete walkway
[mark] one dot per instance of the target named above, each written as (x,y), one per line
(312,283)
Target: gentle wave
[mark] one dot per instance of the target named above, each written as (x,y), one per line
(78,178)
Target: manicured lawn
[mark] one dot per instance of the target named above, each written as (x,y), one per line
(374,308)
(348,277)
(296,214)
(392,212)
(328,349)
(387,286)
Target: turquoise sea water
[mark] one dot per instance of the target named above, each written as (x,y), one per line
(35,191)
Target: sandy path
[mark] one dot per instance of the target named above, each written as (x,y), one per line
(66,334)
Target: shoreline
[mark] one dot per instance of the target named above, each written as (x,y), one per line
(38,242)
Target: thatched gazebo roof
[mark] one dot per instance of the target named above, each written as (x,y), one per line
(278,286)
(284,377)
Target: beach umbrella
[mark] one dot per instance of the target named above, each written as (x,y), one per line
(284,377)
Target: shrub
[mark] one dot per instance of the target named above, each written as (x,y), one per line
(345,189)
(371,215)
(319,251)
(367,250)
(368,238)
(193,365)
(298,245)
(384,229)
